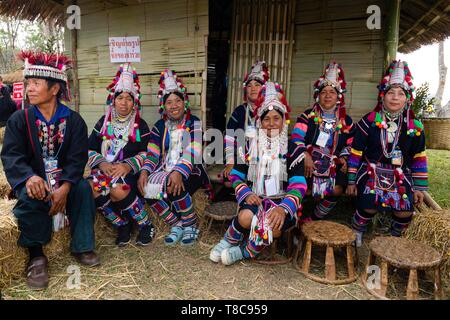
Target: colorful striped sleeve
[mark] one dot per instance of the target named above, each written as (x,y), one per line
(136,162)
(238,176)
(95,159)
(357,149)
(345,152)
(299,132)
(192,153)
(419,167)
(153,151)
(296,186)
(230,141)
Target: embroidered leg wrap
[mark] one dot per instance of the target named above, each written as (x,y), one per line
(399,225)
(133,206)
(324,207)
(360,220)
(163,210)
(235,232)
(251,250)
(185,208)
(105,205)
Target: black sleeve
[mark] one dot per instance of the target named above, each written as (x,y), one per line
(15,158)
(95,141)
(76,154)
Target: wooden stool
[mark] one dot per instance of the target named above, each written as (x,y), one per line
(273,259)
(403,254)
(220,211)
(331,235)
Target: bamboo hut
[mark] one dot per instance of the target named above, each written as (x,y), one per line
(296,37)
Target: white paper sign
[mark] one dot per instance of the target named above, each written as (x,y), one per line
(125,49)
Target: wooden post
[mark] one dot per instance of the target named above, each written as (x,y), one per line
(438,292)
(412,292)
(384,277)
(74,42)
(307,256)
(350,263)
(392,31)
(330,265)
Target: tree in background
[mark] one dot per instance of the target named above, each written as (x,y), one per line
(423,102)
(441,111)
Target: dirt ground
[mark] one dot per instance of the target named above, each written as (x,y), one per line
(160,272)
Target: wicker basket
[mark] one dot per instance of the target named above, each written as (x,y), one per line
(437,133)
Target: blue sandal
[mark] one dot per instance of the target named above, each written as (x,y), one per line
(176,233)
(190,236)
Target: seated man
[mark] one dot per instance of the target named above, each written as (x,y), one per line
(44,153)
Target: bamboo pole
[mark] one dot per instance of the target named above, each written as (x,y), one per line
(283,46)
(271,34)
(76,89)
(240,57)
(291,47)
(204,86)
(260,23)
(392,31)
(247,63)
(264,32)
(276,64)
(233,62)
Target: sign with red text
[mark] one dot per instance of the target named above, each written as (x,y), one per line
(124,49)
(18,91)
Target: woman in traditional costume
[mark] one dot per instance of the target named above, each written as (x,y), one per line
(173,169)
(242,120)
(269,185)
(325,132)
(387,168)
(117,150)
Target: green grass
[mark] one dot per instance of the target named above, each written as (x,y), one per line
(439,176)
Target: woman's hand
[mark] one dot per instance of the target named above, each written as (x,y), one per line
(309,165)
(344,164)
(418,197)
(351,190)
(142,181)
(175,183)
(253,199)
(107,168)
(120,170)
(276,218)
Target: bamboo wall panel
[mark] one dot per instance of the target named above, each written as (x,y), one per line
(261,30)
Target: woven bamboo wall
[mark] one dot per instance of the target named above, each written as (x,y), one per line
(173,34)
(327,30)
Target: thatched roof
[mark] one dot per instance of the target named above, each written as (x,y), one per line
(33,10)
(15,76)
(423,22)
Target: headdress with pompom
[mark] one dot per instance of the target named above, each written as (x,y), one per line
(271,97)
(49,66)
(126,80)
(258,72)
(169,82)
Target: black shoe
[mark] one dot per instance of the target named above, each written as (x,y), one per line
(124,234)
(145,235)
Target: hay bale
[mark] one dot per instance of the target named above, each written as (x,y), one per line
(433,228)
(13,258)
(4,185)
(2,134)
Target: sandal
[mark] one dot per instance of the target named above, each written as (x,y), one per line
(190,236)
(176,233)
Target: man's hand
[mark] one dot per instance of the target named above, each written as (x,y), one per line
(120,170)
(142,181)
(36,188)
(106,168)
(351,190)
(175,183)
(276,218)
(59,198)
(253,199)
(418,197)
(309,165)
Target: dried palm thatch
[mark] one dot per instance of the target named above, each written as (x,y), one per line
(13,258)
(33,10)
(433,228)
(15,76)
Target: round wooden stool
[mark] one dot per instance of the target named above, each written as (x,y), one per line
(220,211)
(330,235)
(273,258)
(403,254)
